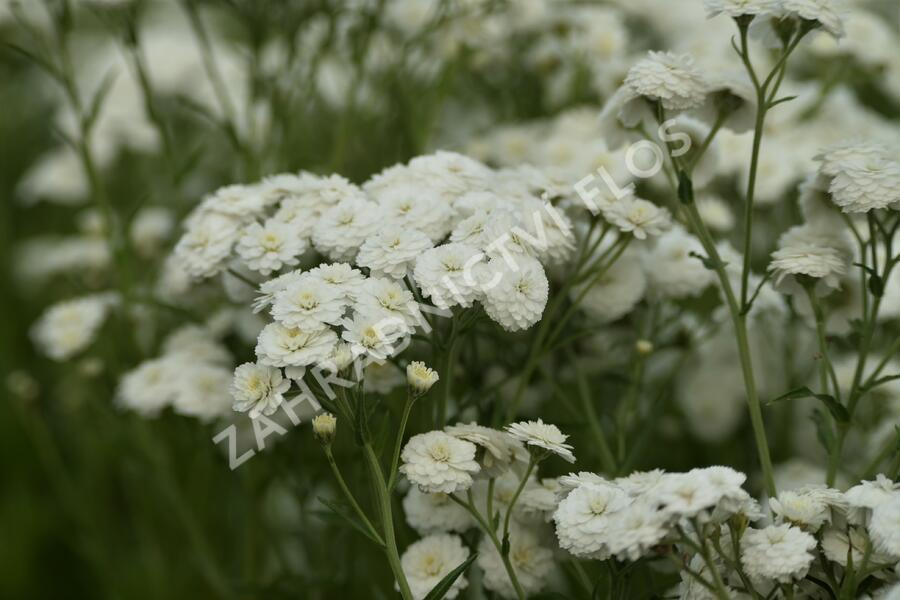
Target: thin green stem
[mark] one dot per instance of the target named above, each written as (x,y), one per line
(512,503)
(350,498)
(398,443)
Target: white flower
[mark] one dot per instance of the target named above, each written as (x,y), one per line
(671,79)
(420,377)
(837,545)
(280,346)
(243,202)
(375,334)
(392,251)
(431,513)
(438,462)
(686,495)
(343,228)
(738,8)
(268,247)
(617,291)
(638,217)
(501,450)
(324,426)
(866,185)
(780,552)
(674,266)
(258,388)
(386,297)
(542,435)
(340,276)
(884,526)
(584,519)
(531,561)
(636,529)
(515,295)
(268,289)
(869,494)
(202,392)
(428,561)
(809,507)
(309,304)
(450,275)
(409,206)
(809,259)
(194,343)
(204,248)
(68,327)
(150,228)
(819,13)
(149,387)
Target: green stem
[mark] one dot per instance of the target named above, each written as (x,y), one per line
(398,444)
(531,464)
(387,521)
(350,498)
(827,368)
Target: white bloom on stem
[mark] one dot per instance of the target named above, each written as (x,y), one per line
(343,228)
(427,561)
(68,327)
(243,202)
(674,266)
(268,289)
(258,389)
(818,13)
(501,450)
(779,552)
(375,334)
(393,251)
(515,295)
(584,519)
(202,392)
(547,436)
(866,185)
(450,275)
(378,295)
(431,513)
(532,562)
(638,217)
(884,527)
(204,248)
(340,276)
(809,507)
(280,346)
(616,292)
(738,8)
(667,78)
(637,528)
(869,494)
(269,246)
(420,377)
(309,304)
(148,388)
(438,462)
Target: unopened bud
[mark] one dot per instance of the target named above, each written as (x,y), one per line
(420,377)
(643,347)
(324,426)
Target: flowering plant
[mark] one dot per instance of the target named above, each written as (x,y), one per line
(639,341)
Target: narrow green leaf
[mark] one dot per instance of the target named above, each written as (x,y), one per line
(344,513)
(685,188)
(881,380)
(823,430)
(781,101)
(443,586)
(837,410)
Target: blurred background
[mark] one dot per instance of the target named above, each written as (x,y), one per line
(118,116)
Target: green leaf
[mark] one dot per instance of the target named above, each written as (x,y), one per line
(344,513)
(837,410)
(707,262)
(879,381)
(685,188)
(823,430)
(443,586)
(100,95)
(876,285)
(781,100)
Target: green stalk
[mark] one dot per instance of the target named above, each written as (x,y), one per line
(349,495)
(387,521)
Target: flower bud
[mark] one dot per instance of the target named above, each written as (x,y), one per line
(324,425)
(420,377)
(643,347)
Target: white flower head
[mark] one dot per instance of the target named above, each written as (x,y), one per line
(432,513)
(343,228)
(809,507)
(438,462)
(375,334)
(667,78)
(280,346)
(392,251)
(780,552)
(811,260)
(638,217)
(545,436)
(532,561)
(884,527)
(201,391)
(499,450)
(429,560)
(420,377)
(340,276)
(450,275)
(815,13)
(584,519)
(258,389)
(68,327)
(387,297)
(515,294)
(205,247)
(309,303)
(268,289)
(148,388)
(738,8)
(268,247)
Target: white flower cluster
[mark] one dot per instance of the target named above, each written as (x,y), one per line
(67,328)
(192,375)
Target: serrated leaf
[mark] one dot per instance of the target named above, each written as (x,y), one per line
(345,514)
(443,586)
(837,410)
